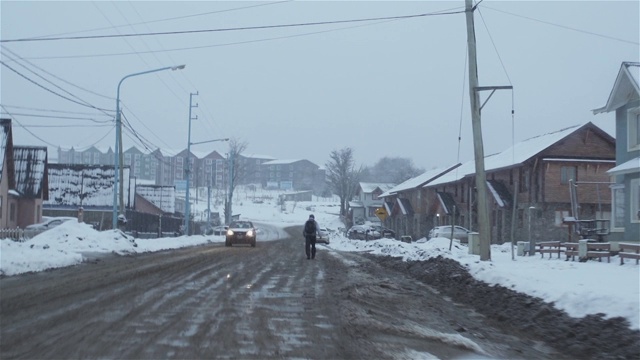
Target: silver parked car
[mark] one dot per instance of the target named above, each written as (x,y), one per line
(324,236)
(459,233)
(49,223)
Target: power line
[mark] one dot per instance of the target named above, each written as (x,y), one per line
(564,26)
(494,46)
(261,27)
(49,90)
(46,80)
(62,126)
(27,130)
(52,75)
(53,110)
(211,46)
(63,117)
(162,20)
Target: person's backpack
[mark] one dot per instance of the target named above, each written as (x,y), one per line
(310,227)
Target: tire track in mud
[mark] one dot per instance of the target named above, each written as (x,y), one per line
(213,301)
(209,301)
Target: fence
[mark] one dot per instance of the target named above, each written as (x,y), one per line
(18,234)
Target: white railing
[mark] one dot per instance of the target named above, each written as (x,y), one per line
(18,234)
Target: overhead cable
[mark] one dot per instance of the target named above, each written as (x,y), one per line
(244,28)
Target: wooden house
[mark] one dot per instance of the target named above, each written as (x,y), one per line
(23,181)
(624,100)
(539,171)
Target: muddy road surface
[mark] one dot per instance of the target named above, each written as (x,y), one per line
(266,302)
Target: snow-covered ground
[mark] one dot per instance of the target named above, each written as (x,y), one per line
(578,288)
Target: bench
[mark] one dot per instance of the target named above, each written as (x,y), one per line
(571,250)
(629,251)
(599,250)
(550,247)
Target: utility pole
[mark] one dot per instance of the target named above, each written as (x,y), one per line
(187,205)
(478,147)
(229,213)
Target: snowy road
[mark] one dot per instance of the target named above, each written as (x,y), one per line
(241,302)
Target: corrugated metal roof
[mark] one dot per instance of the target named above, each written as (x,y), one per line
(89,185)
(30,163)
(162,196)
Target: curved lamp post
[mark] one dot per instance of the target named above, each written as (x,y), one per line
(118,168)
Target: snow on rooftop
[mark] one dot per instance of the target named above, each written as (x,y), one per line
(281,162)
(371,187)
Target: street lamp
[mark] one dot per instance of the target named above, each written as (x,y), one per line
(118,150)
(187,205)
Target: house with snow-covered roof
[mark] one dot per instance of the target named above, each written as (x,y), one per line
(366,200)
(533,177)
(624,100)
(23,181)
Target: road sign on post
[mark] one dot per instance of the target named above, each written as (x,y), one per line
(381,213)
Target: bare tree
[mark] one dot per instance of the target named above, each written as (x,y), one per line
(237,172)
(342,177)
(392,170)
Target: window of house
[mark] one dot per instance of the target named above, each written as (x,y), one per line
(633,129)
(617,208)
(96,158)
(1,207)
(12,212)
(634,205)
(372,212)
(603,215)
(524,180)
(568,173)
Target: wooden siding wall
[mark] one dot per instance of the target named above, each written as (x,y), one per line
(555,191)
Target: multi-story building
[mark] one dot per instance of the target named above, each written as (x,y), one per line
(209,169)
(292,174)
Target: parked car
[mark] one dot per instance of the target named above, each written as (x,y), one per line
(49,223)
(324,236)
(384,232)
(219,230)
(241,232)
(459,233)
(362,232)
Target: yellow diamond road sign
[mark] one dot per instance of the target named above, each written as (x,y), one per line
(381,213)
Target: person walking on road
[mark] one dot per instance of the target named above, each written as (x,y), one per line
(311,229)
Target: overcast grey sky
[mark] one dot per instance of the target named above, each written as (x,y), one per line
(394,87)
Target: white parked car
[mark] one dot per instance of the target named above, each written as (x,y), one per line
(459,233)
(49,223)
(324,236)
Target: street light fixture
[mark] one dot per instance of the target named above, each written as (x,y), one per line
(118,149)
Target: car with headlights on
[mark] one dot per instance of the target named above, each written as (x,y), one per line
(241,232)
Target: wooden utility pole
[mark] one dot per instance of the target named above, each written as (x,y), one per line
(478,147)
